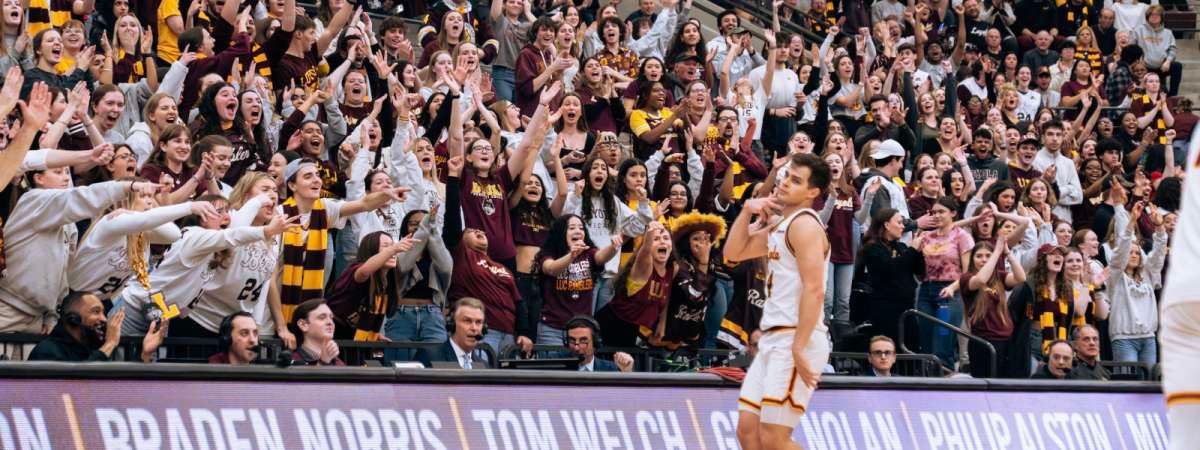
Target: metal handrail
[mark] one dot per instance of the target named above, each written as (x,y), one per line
(764,16)
(959,331)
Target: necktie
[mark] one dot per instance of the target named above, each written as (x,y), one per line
(584,369)
(467,361)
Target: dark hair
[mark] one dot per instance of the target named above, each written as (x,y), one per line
(819,175)
(303,23)
(391,23)
(208,119)
(427,116)
(1108,145)
(1052,123)
(678,47)
(556,239)
(993,192)
(875,231)
(385,281)
(101,91)
(1129,54)
(981,133)
(623,171)
(1168,193)
(538,212)
(404,229)
(947,202)
(542,22)
(605,194)
(876,98)
(169,132)
(207,144)
(611,21)
(645,91)
(254,135)
(193,38)
(641,78)
(728,12)
(301,313)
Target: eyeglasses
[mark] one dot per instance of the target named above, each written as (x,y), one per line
(580,341)
(727,119)
(883,353)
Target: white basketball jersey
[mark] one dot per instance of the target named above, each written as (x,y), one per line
(783,286)
(1182,286)
(241,286)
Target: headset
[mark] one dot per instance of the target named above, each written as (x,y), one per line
(582,321)
(225,332)
(451,324)
(66,309)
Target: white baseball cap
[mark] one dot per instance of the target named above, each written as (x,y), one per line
(887,149)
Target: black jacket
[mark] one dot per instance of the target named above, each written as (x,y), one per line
(61,346)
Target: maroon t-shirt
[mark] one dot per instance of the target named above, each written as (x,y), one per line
(528,229)
(1021,178)
(152,172)
(643,307)
(570,293)
(992,327)
(840,228)
(288,67)
(475,275)
(919,205)
(485,207)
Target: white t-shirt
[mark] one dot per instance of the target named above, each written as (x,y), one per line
(784,86)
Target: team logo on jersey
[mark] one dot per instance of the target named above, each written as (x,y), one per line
(118,259)
(257,258)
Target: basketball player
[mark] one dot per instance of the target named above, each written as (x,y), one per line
(1181,316)
(794,341)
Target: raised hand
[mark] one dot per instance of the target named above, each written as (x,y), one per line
(35,112)
(279,224)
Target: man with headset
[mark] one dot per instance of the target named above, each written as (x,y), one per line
(582,337)
(238,340)
(465,328)
(84,333)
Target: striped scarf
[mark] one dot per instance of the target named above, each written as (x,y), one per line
(1053,316)
(304,257)
(368,320)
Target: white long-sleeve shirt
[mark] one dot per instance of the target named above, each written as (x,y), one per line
(185,269)
(242,284)
(1070,191)
(136,95)
(101,263)
(39,237)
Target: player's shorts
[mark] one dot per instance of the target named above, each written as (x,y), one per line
(772,389)
(1180,354)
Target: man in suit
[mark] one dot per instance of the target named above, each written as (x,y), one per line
(466,329)
(582,338)
(882,355)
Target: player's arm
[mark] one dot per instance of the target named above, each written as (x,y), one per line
(810,263)
(748,241)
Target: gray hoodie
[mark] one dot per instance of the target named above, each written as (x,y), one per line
(1157,43)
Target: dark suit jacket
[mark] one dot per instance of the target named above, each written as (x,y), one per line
(445,353)
(604,365)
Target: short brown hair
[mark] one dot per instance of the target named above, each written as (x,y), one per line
(883,338)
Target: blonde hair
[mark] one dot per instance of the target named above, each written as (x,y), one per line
(240,194)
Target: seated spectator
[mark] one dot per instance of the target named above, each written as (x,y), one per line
(466,328)
(582,337)
(1086,340)
(312,323)
(882,356)
(85,334)
(238,340)
(1059,358)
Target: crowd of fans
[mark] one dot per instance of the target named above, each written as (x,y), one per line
(256,167)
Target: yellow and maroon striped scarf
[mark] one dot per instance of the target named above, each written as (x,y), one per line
(304,257)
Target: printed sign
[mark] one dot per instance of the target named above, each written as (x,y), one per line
(196,415)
